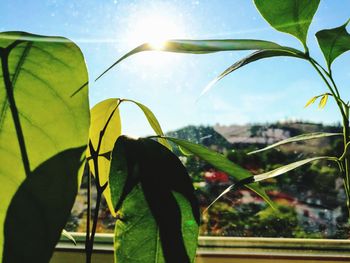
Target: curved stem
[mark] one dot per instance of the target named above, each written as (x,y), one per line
(335,94)
(328,74)
(345,105)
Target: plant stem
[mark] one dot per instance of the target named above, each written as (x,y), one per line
(344,110)
(95,154)
(88,215)
(346,159)
(346,133)
(89,250)
(335,96)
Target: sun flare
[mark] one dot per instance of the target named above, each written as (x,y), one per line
(154,29)
(154,24)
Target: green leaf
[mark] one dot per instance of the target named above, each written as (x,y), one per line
(184,151)
(40,122)
(334,42)
(289,16)
(284,51)
(104,116)
(290,167)
(270,174)
(221,163)
(158,214)
(200,47)
(68,235)
(152,120)
(298,138)
(323,101)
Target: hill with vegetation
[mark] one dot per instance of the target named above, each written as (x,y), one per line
(311,195)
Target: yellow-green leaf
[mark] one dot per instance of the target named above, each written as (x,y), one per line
(152,120)
(43,137)
(323,101)
(311,101)
(103,112)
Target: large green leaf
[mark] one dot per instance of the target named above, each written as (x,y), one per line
(39,120)
(105,118)
(289,16)
(261,54)
(200,47)
(158,214)
(152,120)
(334,42)
(298,138)
(221,163)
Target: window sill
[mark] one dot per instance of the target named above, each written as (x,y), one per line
(226,249)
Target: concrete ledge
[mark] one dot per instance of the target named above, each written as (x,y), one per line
(225,249)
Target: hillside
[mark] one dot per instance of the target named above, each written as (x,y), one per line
(202,134)
(223,137)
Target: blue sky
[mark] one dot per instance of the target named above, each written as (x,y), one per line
(266,91)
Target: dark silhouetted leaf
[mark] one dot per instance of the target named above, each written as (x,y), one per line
(158,214)
(40,208)
(334,42)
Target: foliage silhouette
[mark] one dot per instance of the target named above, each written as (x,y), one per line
(32,225)
(147,176)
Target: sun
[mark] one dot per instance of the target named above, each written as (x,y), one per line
(154,24)
(154,29)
